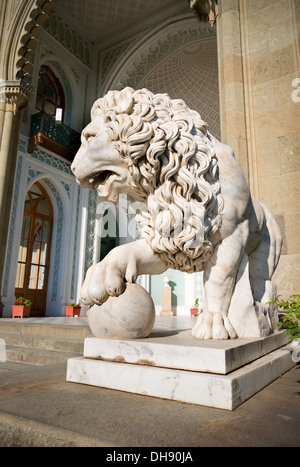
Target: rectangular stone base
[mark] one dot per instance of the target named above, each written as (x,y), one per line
(178,349)
(171,364)
(219,391)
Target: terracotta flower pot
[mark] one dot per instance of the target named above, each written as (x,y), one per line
(194,311)
(73,311)
(21,311)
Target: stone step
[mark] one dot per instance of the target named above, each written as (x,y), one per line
(17,431)
(25,326)
(15,366)
(42,342)
(36,356)
(38,342)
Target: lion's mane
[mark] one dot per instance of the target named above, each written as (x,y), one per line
(170,154)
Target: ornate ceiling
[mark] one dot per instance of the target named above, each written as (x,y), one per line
(113,20)
(192,75)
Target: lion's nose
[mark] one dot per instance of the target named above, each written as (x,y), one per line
(76,161)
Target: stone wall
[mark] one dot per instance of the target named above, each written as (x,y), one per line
(258,48)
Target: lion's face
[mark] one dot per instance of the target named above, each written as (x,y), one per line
(157,151)
(98,164)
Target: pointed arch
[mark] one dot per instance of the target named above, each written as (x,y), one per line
(50,94)
(67,82)
(35,249)
(59,272)
(61,222)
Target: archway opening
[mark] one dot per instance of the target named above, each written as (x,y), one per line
(34,250)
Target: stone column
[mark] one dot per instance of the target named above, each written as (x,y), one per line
(2,115)
(15,96)
(259,68)
(231,81)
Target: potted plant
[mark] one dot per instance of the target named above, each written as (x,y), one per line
(21,308)
(195,308)
(73,309)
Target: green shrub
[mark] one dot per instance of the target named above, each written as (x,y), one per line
(290,309)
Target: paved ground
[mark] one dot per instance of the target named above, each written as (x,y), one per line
(39,408)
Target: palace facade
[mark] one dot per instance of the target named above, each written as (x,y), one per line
(237,62)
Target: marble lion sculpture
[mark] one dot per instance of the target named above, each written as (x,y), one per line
(199,216)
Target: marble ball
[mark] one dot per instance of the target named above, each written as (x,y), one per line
(131,315)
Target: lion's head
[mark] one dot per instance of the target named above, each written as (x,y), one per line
(157,150)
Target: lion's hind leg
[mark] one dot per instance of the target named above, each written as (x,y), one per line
(264,259)
(219,283)
(248,312)
(262,264)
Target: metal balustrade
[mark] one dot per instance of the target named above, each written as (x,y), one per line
(57,137)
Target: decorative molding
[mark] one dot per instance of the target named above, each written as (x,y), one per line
(69,38)
(57,177)
(15,94)
(91,230)
(13,218)
(104,23)
(33,19)
(56,270)
(152,49)
(53,161)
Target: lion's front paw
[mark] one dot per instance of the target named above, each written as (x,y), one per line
(102,281)
(213,326)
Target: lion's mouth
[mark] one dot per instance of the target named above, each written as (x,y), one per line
(108,182)
(100,178)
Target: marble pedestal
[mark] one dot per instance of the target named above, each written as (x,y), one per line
(171,364)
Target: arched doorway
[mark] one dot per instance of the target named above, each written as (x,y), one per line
(34,249)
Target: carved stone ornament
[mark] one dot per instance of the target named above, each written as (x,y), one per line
(196,212)
(206,10)
(15,94)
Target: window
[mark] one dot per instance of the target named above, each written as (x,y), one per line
(50,94)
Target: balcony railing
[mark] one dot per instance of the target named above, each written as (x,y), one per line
(57,137)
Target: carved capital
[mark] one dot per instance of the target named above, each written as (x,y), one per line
(206,10)
(15,95)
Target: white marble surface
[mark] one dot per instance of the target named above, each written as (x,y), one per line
(178,349)
(235,223)
(232,370)
(161,322)
(131,315)
(219,391)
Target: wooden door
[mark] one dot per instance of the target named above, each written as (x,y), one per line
(34,250)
